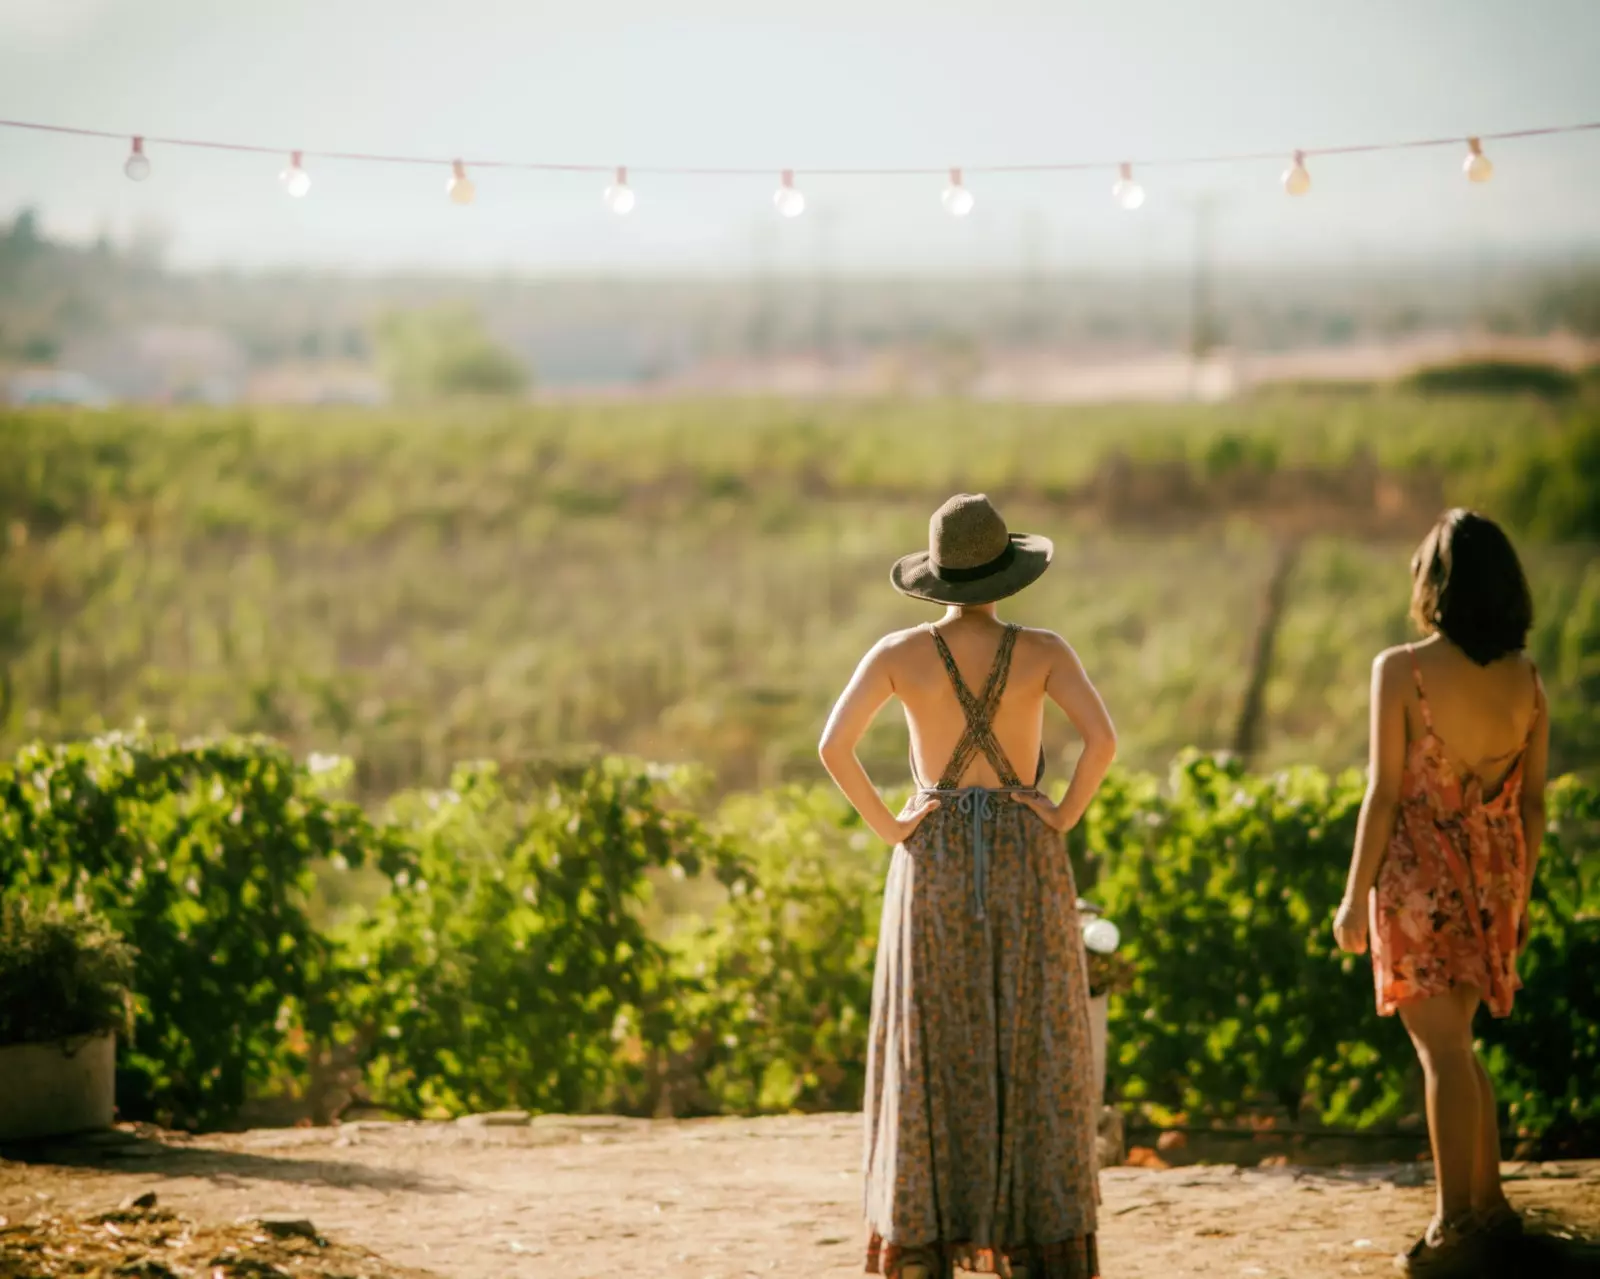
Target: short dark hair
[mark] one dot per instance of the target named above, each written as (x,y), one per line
(1467,584)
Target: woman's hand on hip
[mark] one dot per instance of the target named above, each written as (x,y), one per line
(904,827)
(1350,927)
(1052,815)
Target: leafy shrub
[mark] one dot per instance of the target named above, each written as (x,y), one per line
(1494,377)
(62,974)
(779,984)
(445,351)
(1241,998)
(1224,887)
(200,855)
(1545,1058)
(508,961)
(508,965)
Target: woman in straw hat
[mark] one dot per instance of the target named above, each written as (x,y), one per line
(980,1098)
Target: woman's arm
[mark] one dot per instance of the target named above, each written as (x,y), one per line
(1069,688)
(869,688)
(1535,769)
(1385,766)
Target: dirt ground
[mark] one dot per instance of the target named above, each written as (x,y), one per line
(723,1199)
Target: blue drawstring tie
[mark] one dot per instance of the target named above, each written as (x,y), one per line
(977,802)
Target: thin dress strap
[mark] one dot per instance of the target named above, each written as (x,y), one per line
(979,712)
(1422,697)
(1538,705)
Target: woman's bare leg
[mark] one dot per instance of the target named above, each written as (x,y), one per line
(1487,1193)
(1441,1030)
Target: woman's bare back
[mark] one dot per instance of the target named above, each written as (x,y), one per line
(934,715)
(908,665)
(1482,715)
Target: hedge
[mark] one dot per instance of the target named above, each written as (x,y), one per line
(510,951)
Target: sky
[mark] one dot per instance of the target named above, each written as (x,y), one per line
(832,83)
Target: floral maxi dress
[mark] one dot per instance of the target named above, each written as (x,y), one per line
(1450,892)
(980,1111)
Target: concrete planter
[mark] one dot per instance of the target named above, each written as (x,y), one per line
(1098,1008)
(47,1090)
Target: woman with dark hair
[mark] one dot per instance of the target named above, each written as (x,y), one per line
(1445,851)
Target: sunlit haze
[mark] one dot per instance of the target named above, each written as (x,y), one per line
(882,83)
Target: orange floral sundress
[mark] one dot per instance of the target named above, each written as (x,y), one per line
(1450,892)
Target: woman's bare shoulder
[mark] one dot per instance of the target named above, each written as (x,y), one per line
(1042,640)
(1048,653)
(1391,670)
(897,643)
(1399,657)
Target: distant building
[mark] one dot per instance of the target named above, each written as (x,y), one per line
(164,364)
(55,386)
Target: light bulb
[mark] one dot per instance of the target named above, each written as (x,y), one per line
(460,185)
(1125,191)
(1101,936)
(957,200)
(1477,166)
(137,165)
(790,201)
(619,196)
(1296,179)
(296,181)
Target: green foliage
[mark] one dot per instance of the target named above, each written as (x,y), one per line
(199,854)
(780,980)
(1224,886)
(508,961)
(63,973)
(1552,488)
(508,965)
(1494,377)
(416,589)
(444,352)
(1545,1058)
(1229,452)
(1571,302)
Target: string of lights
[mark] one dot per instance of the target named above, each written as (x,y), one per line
(957,198)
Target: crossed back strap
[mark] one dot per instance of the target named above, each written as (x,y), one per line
(979,712)
(1427,715)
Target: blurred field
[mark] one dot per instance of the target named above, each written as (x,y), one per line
(695,581)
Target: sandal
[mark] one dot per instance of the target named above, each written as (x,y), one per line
(1446,1248)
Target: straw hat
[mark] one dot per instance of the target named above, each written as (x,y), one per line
(971,557)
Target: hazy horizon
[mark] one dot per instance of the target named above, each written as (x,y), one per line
(878,83)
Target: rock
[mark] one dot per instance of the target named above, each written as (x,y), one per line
(146,1200)
(290,1228)
(497,1119)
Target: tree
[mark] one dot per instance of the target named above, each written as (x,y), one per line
(444,352)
